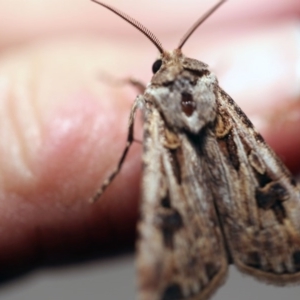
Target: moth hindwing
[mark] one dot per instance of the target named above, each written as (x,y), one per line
(213,192)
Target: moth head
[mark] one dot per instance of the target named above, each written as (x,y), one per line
(172,64)
(192,93)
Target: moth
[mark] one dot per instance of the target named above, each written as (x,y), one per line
(213,192)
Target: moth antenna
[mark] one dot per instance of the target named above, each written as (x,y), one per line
(198,23)
(134,23)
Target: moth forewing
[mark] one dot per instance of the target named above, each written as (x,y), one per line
(263,232)
(181,254)
(213,192)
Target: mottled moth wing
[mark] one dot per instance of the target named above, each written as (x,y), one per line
(180,248)
(261,211)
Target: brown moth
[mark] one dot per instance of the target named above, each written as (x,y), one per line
(213,192)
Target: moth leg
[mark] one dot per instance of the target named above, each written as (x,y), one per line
(140,86)
(130,139)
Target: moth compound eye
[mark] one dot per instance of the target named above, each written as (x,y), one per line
(156,66)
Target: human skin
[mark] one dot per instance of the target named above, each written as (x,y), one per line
(63,128)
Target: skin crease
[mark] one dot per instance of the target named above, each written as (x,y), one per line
(63,126)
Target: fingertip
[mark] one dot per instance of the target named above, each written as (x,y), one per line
(69,132)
